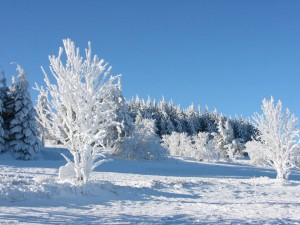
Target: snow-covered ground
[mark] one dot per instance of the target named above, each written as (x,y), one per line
(172,191)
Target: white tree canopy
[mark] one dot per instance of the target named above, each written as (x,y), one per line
(278,139)
(81,109)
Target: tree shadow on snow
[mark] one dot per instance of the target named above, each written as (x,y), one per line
(66,217)
(175,167)
(184,168)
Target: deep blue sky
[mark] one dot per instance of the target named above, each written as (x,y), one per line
(223,54)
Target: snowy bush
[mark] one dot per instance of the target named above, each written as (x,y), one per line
(277,143)
(200,146)
(142,144)
(81,111)
(178,144)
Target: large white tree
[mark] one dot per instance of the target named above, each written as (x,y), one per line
(81,109)
(277,143)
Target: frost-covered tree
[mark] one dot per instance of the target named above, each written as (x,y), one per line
(167,124)
(178,144)
(180,123)
(229,146)
(42,110)
(205,147)
(143,143)
(200,146)
(243,128)
(117,131)
(81,108)
(8,107)
(2,125)
(22,131)
(210,121)
(224,137)
(278,141)
(192,120)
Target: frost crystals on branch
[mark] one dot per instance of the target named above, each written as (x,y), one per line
(277,143)
(80,108)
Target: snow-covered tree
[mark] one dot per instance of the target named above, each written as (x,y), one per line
(229,146)
(2,125)
(178,144)
(23,134)
(181,125)
(200,146)
(278,141)
(42,110)
(8,107)
(205,147)
(143,143)
(210,121)
(81,108)
(192,120)
(117,131)
(168,124)
(224,136)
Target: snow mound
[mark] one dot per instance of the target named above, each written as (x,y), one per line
(18,188)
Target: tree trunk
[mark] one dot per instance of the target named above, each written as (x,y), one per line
(282,174)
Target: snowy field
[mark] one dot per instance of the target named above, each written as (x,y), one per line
(172,191)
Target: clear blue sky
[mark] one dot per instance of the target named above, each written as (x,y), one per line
(224,54)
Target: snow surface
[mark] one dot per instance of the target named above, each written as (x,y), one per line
(171,191)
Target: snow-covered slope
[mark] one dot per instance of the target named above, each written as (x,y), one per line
(172,191)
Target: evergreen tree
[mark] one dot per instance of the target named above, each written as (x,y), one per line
(123,125)
(2,125)
(8,107)
(229,146)
(23,134)
(169,125)
(181,125)
(192,120)
(210,121)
